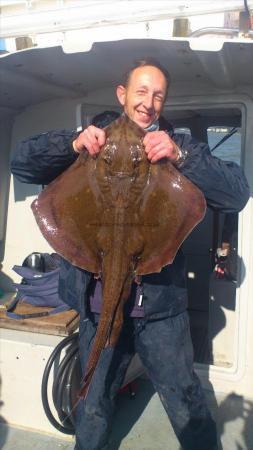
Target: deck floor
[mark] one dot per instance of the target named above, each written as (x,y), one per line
(141,424)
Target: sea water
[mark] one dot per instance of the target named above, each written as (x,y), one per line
(230,150)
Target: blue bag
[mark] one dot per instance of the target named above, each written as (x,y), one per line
(39,285)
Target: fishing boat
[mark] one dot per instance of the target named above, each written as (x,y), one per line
(60,63)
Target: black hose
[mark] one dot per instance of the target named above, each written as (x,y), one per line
(60,394)
(66,384)
(72,387)
(61,375)
(63,398)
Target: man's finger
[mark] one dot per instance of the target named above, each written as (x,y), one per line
(97,137)
(90,143)
(154,149)
(156,138)
(101,137)
(92,139)
(150,138)
(157,156)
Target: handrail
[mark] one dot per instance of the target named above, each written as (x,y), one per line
(233,32)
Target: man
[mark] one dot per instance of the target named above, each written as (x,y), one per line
(142,99)
(156,323)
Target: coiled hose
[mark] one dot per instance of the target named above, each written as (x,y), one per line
(65,386)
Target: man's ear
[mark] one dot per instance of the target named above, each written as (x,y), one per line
(121,94)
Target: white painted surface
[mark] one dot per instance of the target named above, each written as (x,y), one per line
(23,359)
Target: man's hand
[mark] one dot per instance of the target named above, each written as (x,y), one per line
(159,145)
(91,139)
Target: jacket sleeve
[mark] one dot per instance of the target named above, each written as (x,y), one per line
(223,183)
(41,158)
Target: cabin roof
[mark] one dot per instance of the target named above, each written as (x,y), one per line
(36,75)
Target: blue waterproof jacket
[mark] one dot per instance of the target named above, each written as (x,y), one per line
(41,158)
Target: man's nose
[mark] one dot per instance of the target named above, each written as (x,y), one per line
(148,101)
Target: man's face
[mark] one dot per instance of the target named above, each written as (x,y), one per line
(144,96)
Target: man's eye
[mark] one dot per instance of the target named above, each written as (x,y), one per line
(159,98)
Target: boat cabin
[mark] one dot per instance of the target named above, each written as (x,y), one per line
(210,97)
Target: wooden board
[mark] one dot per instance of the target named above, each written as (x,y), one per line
(61,324)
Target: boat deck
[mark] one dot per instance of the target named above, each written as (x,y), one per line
(141,424)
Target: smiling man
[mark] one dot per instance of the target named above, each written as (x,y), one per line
(142,97)
(156,324)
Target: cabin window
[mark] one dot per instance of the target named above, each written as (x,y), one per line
(225,142)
